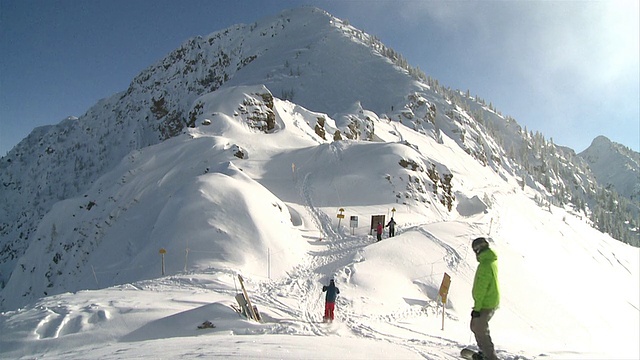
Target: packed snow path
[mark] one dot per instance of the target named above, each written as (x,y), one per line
(300,300)
(300,294)
(387,307)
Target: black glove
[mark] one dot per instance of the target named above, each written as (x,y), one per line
(475,314)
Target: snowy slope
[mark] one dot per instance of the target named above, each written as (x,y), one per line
(328,66)
(58,162)
(270,216)
(205,156)
(304,55)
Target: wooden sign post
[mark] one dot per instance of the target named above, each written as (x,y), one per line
(443,292)
(162,252)
(340,216)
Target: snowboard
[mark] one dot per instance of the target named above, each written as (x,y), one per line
(467,353)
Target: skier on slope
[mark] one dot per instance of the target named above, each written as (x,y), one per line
(392,227)
(486,298)
(330,300)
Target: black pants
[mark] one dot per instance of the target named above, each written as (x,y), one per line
(480,328)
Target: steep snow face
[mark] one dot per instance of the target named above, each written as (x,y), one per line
(200,158)
(222,90)
(304,55)
(323,64)
(63,161)
(614,165)
(229,198)
(208,192)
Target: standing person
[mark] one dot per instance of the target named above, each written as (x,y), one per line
(392,227)
(379,231)
(486,298)
(330,300)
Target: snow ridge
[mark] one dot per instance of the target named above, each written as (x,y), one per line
(234,154)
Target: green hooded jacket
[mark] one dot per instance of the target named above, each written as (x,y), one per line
(486,292)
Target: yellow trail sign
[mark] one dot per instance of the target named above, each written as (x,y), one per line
(444,287)
(444,291)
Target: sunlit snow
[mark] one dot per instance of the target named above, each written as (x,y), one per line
(568,291)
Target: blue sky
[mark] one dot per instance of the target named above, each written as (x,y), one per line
(568,69)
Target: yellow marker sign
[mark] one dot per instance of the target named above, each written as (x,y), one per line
(444,287)
(340,216)
(444,291)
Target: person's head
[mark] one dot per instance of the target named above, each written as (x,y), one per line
(331,282)
(479,245)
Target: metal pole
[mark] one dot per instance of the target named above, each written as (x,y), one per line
(94,275)
(162,252)
(186,255)
(443,315)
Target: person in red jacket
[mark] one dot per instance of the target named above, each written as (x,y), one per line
(486,298)
(379,231)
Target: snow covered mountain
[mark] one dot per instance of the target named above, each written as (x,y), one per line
(615,166)
(234,154)
(304,55)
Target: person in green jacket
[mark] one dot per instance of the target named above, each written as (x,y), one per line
(486,297)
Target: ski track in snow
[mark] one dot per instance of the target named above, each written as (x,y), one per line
(297,299)
(304,283)
(297,295)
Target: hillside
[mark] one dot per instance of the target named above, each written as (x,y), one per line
(226,199)
(234,154)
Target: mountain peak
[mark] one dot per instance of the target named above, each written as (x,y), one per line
(614,165)
(287,87)
(601,140)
